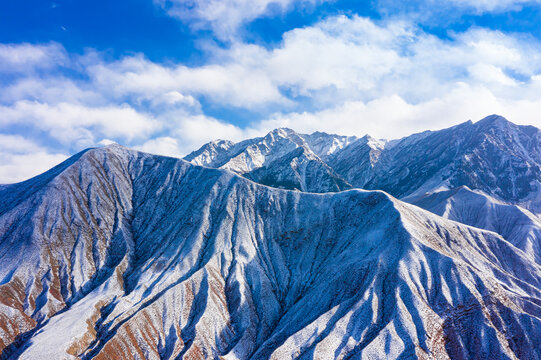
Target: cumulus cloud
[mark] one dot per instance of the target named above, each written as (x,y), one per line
(339,59)
(73,123)
(18,167)
(50,89)
(358,57)
(201,129)
(391,117)
(17,144)
(166,146)
(231,83)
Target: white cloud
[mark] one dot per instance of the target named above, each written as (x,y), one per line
(369,60)
(17,144)
(348,55)
(19,167)
(392,117)
(21,158)
(51,89)
(165,145)
(174,97)
(224,17)
(77,124)
(231,84)
(339,59)
(27,57)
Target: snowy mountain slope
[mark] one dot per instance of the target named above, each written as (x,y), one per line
(117,252)
(326,145)
(356,161)
(282,159)
(301,170)
(493,155)
(513,223)
(213,153)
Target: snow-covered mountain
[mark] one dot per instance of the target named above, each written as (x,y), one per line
(499,160)
(282,159)
(120,254)
(492,155)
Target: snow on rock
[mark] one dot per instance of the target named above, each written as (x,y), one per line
(282,159)
(517,225)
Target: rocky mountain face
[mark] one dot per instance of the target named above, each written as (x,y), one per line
(493,155)
(118,254)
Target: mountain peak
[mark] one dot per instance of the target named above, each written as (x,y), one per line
(494,120)
(282,132)
(113,147)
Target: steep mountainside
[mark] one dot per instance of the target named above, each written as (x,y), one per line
(357,161)
(513,223)
(493,155)
(117,254)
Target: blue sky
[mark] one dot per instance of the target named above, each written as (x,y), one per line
(165,76)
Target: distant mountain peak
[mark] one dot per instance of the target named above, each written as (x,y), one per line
(485,155)
(114,146)
(494,121)
(282,132)
(220,142)
(494,118)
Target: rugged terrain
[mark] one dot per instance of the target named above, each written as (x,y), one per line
(120,254)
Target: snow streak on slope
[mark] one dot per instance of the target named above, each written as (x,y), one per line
(515,224)
(118,252)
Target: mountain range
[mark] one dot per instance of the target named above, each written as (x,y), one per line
(288,246)
(435,170)
(492,155)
